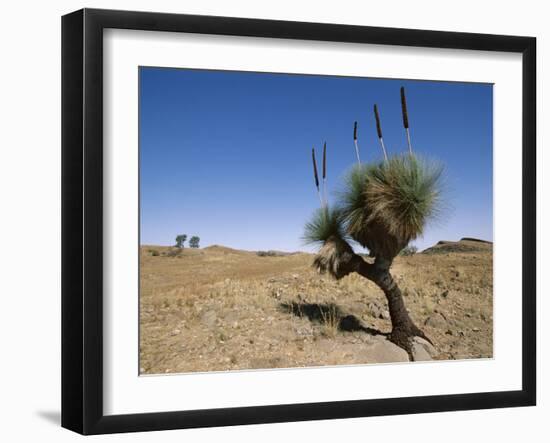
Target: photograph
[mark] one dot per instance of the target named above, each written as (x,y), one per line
(294,220)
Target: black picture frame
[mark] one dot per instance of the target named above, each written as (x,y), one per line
(82,218)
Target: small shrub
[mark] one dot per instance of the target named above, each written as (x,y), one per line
(330,321)
(408,250)
(266,254)
(173,253)
(154,252)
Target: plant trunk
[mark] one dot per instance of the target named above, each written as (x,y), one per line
(403,327)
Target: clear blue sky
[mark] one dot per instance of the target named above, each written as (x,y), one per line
(227,155)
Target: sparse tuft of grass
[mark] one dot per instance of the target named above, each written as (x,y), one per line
(407,251)
(174,252)
(331,321)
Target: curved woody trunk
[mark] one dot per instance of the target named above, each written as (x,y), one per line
(403,327)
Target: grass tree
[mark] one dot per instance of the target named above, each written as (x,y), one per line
(180,240)
(383,206)
(194,241)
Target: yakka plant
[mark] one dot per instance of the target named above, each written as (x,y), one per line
(383,206)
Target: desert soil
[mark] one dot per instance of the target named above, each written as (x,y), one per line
(219,309)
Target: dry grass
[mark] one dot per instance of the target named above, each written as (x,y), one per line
(218,309)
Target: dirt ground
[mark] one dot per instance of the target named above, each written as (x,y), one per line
(218,309)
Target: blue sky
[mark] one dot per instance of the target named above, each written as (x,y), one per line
(227,155)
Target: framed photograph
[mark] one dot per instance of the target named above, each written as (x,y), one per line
(269,221)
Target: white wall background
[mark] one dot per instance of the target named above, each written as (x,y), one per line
(30,218)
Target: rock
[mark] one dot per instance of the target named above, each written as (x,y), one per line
(378,311)
(209,318)
(327,346)
(422,350)
(436,321)
(374,309)
(354,307)
(175,332)
(231,317)
(265,362)
(305,331)
(419,353)
(381,350)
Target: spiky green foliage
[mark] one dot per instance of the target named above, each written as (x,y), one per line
(404,193)
(383,206)
(325,223)
(353,198)
(386,205)
(328,229)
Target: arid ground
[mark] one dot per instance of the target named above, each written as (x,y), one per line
(219,309)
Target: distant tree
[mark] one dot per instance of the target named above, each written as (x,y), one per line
(180,240)
(194,242)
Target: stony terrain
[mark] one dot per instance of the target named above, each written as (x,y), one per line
(218,309)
